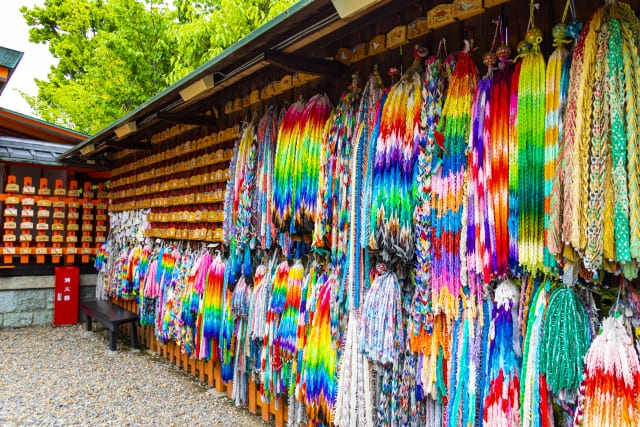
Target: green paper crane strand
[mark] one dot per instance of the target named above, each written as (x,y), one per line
(565,341)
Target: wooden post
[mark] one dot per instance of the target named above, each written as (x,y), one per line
(279,413)
(192,363)
(217,373)
(185,361)
(200,367)
(265,409)
(252,391)
(210,368)
(229,386)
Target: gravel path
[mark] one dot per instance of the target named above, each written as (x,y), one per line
(67,376)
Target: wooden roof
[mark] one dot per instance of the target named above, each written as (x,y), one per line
(17,125)
(9,60)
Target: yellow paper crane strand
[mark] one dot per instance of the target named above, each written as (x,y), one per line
(581,154)
(609,244)
(630,32)
(574,103)
(599,153)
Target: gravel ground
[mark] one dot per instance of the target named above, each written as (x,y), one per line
(67,376)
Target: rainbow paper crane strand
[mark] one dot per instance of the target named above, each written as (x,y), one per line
(477,225)
(212,308)
(555,139)
(272,384)
(513,170)
(266,141)
(498,181)
(609,390)
(355,277)
(241,200)
(535,405)
(228,207)
(502,400)
(288,329)
(335,152)
(373,121)
(555,101)
(320,356)
(306,168)
(449,186)
(434,90)
(283,166)
(391,223)
(531,104)
(227,339)
(465,371)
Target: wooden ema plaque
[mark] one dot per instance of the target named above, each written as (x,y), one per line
(42,227)
(87,230)
(26,225)
(464,9)
(9,237)
(377,45)
(58,220)
(417,28)
(397,37)
(440,16)
(71,239)
(492,3)
(101,219)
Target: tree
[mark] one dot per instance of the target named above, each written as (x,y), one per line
(116,54)
(210,26)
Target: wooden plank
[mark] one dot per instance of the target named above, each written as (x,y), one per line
(307,64)
(229,386)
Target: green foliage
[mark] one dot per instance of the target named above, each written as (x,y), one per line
(115,54)
(211,26)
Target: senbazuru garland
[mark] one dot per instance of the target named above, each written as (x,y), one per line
(433,253)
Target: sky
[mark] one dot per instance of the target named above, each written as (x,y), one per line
(36,61)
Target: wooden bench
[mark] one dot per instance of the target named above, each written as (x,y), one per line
(111,316)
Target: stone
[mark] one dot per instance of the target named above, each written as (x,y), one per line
(49,302)
(87,293)
(87,280)
(31,300)
(14,283)
(8,301)
(44,317)
(17,320)
(1,317)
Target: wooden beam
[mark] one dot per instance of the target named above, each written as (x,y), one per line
(306,64)
(126,145)
(189,119)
